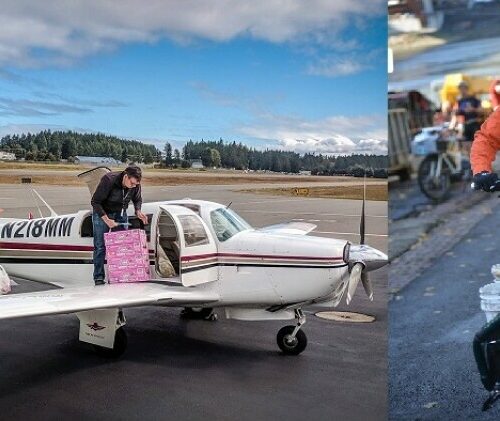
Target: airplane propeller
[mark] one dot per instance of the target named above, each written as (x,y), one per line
(354,278)
(357,272)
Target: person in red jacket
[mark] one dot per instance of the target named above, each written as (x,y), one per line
(483,153)
(495,93)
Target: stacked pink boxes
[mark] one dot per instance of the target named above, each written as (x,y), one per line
(127,256)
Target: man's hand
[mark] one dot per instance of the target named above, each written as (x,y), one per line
(109,222)
(485,181)
(142,217)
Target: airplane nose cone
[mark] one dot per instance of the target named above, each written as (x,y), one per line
(371,257)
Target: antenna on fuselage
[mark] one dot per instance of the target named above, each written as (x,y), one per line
(229,205)
(35,202)
(52,211)
(33,192)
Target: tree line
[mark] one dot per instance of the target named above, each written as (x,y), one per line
(50,145)
(241,157)
(65,145)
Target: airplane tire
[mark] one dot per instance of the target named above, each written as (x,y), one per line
(119,346)
(197,313)
(288,345)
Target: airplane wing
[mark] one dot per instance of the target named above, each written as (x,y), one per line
(72,300)
(299,228)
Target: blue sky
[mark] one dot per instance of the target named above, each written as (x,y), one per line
(303,76)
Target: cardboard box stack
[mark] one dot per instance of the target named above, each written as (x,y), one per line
(127,256)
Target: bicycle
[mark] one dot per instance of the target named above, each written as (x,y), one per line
(443,166)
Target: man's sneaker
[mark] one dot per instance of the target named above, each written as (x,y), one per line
(99,281)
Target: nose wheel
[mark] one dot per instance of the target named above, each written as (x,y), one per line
(291,339)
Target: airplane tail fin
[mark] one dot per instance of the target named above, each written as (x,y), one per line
(93,177)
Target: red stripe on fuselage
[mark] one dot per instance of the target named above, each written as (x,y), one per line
(69,247)
(45,247)
(255,256)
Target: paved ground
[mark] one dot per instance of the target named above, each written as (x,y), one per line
(432,324)
(339,218)
(197,370)
(412,215)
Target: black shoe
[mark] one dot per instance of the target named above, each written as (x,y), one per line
(494,395)
(99,282)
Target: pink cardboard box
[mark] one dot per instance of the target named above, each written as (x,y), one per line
(127,256)
(126,237)
(128,274)
(137,261)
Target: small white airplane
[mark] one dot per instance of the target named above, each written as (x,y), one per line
(219,260)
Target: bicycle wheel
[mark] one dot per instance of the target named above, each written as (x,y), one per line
(435,187)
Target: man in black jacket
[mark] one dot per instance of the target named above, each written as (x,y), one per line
(109,203)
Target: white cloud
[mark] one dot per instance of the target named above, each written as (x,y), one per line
(331,135)
(58,32)
(345,63)
(336,67)
(11,129)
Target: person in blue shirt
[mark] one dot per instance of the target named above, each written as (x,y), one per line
(467,115)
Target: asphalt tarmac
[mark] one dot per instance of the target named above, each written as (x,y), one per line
(432,371)
(178,369)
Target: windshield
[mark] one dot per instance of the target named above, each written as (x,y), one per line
(226,223)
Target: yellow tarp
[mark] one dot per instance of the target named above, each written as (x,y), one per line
(478,85)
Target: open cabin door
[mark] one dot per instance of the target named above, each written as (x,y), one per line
(195,245)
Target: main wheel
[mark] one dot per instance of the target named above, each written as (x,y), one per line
(198,313)
(435,188)
(119,346)
(289,345)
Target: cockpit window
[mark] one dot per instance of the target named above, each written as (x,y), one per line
(194,232)
(226,223)
(194,208)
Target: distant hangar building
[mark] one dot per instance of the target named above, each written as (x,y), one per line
(7,156)
(96,160)
(197,164)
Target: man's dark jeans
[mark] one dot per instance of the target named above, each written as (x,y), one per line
(99,248)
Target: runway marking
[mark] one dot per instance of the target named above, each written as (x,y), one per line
(309,213)
(277,201)
(270,200)
(350,233)
(313,220)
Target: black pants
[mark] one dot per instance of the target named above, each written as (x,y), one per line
(470,130)
(487,354)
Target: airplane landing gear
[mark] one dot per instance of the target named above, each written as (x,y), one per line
(119,346)
(104,330)
(198,313)
(291,340)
